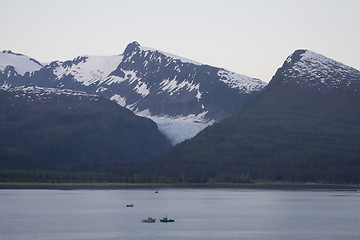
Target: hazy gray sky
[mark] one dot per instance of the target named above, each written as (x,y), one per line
(252,37)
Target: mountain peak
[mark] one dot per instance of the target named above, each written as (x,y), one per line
(296,56)
(307,56)
(135,43)
(131,47)
(309,69)
(10,52)
(20,62)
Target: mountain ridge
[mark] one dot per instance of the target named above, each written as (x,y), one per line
(165,88)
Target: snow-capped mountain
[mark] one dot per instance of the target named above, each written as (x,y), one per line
(182,96)
(308,69)
(21,63)
(304,126)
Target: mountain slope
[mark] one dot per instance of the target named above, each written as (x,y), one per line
(180,95)
(53,128)
(303,127)
(21,63)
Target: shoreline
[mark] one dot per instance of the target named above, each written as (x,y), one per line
(114,186)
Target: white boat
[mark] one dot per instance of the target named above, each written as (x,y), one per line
(149,220)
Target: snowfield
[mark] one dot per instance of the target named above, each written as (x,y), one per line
(21,63)
(90,69)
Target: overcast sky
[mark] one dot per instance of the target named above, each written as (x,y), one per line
(252,37)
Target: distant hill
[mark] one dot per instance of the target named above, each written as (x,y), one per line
(47,128)
(304,126)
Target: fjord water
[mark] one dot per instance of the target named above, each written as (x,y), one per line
(199,214)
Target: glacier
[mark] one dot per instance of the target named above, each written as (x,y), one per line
(180,128)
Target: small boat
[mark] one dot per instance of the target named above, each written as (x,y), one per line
(130,205)
(156,191)
(166,219)
(149,220)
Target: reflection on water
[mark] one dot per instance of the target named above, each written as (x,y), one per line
(199,214)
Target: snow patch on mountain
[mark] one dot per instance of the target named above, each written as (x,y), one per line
(142,89)
(89,69)
(129,76)
(43,94)
(21,63)
(5,86)
(172,85)
(244,83)
(48,91)
(119,100)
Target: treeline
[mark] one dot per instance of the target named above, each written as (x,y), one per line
(160,173)
(36,176)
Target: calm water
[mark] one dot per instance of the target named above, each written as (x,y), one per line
(200,214)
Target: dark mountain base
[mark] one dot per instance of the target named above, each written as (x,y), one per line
(60,130)
(302,127)
(275,144)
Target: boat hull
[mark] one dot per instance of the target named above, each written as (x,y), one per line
(167,220)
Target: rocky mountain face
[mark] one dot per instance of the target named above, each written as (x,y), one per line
(180,95)
(50,128)
(304,126)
